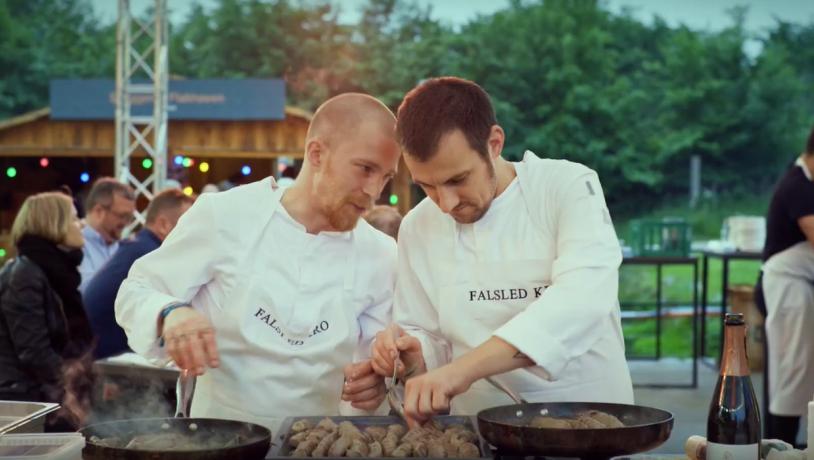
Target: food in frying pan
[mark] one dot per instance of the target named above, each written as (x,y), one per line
(170,441)
(328,439)
(587,419)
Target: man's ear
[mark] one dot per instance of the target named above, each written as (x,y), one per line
(164,225)
(314,152)
(495,142)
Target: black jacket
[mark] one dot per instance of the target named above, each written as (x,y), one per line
(33,334)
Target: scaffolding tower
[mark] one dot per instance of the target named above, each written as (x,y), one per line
(139,41)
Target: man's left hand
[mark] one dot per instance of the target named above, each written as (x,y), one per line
(429,394)
(363,387)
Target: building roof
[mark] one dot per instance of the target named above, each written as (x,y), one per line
(35,115)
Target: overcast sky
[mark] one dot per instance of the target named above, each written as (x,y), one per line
(699,14)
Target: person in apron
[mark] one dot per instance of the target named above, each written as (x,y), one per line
(507,269)
(783,294)
(269,294)
(788,285)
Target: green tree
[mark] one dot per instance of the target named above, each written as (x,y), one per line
(45,39)
(397,45)
(568,78)
(304,44)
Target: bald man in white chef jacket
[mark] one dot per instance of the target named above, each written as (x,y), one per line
(268,293)
(506,269)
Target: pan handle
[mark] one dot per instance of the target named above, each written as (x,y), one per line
(505,388)
(184,389)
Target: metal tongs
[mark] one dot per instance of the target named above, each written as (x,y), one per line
(500,385)
(184,389)
(395,394)
(26,415)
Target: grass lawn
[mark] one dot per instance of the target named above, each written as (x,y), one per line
(637,284)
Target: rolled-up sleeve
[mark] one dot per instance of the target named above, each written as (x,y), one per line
(172,273)
(560,325)
(412,308)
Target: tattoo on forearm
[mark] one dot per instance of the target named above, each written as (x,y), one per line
(520,355)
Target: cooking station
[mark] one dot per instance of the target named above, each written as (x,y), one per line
(629,439)
(248,441)
(502,433)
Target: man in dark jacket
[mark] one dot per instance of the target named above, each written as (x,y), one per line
(162,214)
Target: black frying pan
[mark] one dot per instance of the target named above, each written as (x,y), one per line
(215,439)
(506,428)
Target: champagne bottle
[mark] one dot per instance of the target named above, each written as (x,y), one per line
(733,425)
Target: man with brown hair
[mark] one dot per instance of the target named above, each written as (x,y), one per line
(109,210)
(100,293)
(508,269)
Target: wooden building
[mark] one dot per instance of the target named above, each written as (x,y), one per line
(72,148)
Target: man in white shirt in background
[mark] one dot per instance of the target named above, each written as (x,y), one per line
(269,293)
(109,210)
(506,269)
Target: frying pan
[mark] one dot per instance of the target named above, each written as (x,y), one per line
(253,442)
(507,429)
(215,439)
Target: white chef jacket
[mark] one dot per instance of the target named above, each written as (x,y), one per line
(290,309)
(788,288)
(539,270)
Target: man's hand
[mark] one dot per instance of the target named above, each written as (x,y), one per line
(363,387)
(430,394)
(190,340)
(391,343)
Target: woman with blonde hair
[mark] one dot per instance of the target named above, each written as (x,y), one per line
(43,324)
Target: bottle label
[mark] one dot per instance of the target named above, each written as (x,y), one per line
(717,451)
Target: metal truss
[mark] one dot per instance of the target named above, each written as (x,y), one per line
(138,42)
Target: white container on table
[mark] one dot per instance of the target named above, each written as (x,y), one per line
(747,233)
(51,446)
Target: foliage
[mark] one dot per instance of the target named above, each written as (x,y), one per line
(45,39)
(569,79)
